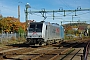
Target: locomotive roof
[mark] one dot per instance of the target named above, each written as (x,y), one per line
(47,23)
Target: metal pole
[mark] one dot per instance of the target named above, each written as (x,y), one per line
(26,18)
(19,12)
(26,13)
(72,17)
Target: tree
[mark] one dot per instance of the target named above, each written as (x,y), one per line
(21,31)
(9,24)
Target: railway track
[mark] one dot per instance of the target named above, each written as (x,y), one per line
(38,54)
(63,51)
(70,55)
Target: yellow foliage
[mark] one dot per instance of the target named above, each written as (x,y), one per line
(10,22)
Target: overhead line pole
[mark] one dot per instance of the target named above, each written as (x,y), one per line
(26,15)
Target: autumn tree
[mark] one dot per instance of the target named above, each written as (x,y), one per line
(10,24)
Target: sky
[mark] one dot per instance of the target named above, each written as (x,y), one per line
(10,8)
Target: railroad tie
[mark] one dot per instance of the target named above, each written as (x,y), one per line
(37,57)
(63,52)
(53,58)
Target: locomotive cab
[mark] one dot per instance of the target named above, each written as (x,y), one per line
(34,33)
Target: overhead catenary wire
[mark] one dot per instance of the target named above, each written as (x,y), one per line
(6,8)
(65,4)
(84,13)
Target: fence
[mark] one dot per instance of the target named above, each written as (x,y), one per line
(6,37)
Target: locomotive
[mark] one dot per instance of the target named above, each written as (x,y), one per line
(42,33)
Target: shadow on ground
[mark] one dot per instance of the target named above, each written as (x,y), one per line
(74,45)
(22,45)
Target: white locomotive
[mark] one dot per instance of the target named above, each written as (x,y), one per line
(39,33)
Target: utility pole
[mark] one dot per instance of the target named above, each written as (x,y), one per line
(19,12)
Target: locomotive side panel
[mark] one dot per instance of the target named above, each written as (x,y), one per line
(52,33)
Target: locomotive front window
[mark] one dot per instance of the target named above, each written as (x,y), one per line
(31,29)
(35,27)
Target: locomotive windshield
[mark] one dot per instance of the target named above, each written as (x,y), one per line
(35,27)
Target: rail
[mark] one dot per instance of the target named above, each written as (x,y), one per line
(75,54)
(86,51)
(67,54)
